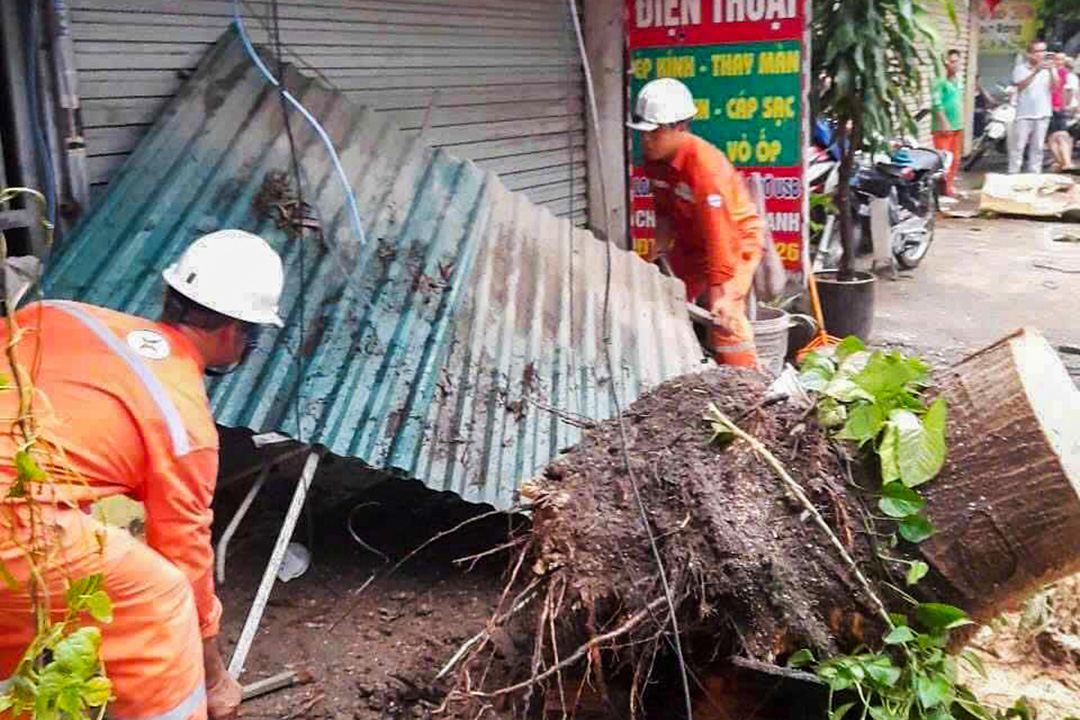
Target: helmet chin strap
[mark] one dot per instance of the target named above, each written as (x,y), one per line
(216,371)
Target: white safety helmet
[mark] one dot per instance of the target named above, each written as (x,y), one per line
(664,101)
(233,273)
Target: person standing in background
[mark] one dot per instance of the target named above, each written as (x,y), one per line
(1064,98)
(948,118)
(1035,80)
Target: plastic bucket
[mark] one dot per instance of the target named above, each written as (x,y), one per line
(771,337)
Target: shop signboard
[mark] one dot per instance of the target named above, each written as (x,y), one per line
(746,65)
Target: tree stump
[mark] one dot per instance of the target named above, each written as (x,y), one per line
(1007,503)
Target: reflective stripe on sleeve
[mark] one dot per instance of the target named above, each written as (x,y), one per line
(169,412)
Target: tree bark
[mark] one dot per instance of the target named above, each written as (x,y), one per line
(1007,503)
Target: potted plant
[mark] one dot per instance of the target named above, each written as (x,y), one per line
(867,60)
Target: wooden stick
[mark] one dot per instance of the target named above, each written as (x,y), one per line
(274,683)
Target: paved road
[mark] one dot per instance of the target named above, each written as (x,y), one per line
(981,280)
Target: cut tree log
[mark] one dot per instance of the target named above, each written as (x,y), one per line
(750,575)
(1007,503)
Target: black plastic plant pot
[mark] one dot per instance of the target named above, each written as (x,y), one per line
(848,305)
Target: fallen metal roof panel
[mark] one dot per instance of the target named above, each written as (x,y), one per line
(460,346)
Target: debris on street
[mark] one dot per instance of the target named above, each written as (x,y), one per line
(1030,195)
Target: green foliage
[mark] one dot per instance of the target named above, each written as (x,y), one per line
(868,59)
(26,472)
(61,676)
(873,399)
(911,678)
(1057,10)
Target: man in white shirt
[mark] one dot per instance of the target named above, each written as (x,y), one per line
(1035,81)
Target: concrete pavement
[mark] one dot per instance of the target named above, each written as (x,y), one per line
(982,279)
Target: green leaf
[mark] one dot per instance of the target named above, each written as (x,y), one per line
(100,606)
(27,468)
(1021,709)
(916,572)
(800,658)
(8,579)
(915,529)
(816,370)
(78,652)
(920,449)
(843,388)
(880,713)
(974,661)
(940,713)
(889,452)
(70,700)
(933,690)
(848,346)
(840,712)
(882,671)
(830,413)
(899,501)
(96,691)
(892,374)
(938,616)
(863,424)
(899,636)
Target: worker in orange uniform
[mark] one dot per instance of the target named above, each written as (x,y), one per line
(706,222)
(123,398)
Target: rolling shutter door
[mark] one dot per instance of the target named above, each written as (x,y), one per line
(508,80)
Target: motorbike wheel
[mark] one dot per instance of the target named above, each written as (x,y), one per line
(913,253)
(976,154)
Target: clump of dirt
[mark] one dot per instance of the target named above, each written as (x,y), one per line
(750,574)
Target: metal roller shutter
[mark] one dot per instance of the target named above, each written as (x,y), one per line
(510,87)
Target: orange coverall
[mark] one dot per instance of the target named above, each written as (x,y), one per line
(717,237)
(123,397)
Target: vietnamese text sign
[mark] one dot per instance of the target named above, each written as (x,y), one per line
(746,74)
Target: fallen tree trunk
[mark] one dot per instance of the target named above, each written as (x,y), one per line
(1007,503)
(750,574)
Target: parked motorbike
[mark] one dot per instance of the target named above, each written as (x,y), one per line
(894,204)
(995,134)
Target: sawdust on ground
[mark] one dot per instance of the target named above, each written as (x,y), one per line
(1024,656)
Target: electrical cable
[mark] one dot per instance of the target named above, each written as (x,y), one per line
(299,229)
(591,92)
(354,210)
(44,152)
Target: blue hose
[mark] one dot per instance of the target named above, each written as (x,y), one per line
(40,139)
(354,211)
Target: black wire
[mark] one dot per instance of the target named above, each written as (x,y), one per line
(613,390)
(295,232)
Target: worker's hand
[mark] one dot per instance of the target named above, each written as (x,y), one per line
(223,692)
(223,698)
(726,304)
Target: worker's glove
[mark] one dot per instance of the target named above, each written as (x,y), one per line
(728,307)
(223,698)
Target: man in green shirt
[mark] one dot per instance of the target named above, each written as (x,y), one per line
(948,116)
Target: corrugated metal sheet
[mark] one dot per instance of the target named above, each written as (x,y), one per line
(469,334)
(510,87)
